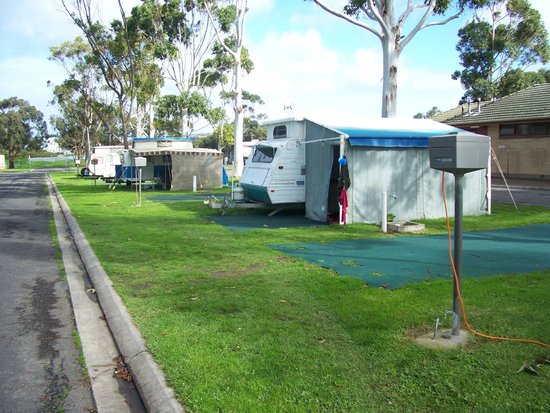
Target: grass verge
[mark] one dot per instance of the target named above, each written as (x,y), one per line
(239,327)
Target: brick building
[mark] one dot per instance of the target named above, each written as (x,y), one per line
(519,127)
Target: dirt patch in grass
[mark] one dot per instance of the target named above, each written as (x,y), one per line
(238,273)
(141,287)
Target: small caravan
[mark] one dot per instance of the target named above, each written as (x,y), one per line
(104,161)
(300,163)
(275,172)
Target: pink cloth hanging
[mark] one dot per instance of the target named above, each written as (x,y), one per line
(344,203)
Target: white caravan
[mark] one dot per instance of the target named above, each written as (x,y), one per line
(104,161)
(275,173)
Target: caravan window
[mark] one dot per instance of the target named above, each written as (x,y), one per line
(264,154)
(279,132)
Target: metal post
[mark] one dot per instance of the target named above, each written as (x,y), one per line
(457,253)
(139,186)
(384,212)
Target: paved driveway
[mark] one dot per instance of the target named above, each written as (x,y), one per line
(522,196)
(39,369)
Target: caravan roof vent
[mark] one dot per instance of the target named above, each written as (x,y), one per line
(279,132)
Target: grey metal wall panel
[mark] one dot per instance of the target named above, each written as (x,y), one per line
(406,173)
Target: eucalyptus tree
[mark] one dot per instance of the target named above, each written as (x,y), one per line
(434,111)
(120,56)
(76,96)
(148,78)
(229,19)
(84,121)
(545,73)
(253,128)
(517,79)
(382,19)
(179,112)
(22,126)
(503,38)
(180,36)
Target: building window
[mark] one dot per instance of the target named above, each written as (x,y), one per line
(279,132)
(539,129)
(507,130)
(524,130)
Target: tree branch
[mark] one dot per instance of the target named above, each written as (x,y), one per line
(442,22)
(377,10)
(422,22)
(349,19)
(218,35)
(405,14)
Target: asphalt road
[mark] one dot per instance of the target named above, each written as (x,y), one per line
(522,196)
(39,368)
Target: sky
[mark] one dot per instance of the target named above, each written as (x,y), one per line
(305,58)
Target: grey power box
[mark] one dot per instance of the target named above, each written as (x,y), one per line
(140,161)
(459,152)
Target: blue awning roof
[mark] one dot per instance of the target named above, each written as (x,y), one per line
(390,138)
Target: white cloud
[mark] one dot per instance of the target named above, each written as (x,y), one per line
(260,6)
(299,68)
(27,78)
(42,21)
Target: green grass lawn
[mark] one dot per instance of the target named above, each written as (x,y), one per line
(22,164)
(240,327)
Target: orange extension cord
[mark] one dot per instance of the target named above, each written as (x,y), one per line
(524,340)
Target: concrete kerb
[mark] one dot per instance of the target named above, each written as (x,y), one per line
(148,377)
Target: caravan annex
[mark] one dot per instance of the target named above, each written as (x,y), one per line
(299,163)
(172,163)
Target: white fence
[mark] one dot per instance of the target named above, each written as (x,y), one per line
(66,161)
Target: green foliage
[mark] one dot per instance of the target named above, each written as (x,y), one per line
(163,24)
(84,114)
(21,127)
(496,52)
(218,139)
(516,80)
(220,65)
(124,56)
(253,129)
(239,327)
(545,73)
(434,111)
(173,110)
(226,17)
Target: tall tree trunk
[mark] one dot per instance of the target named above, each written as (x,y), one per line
(184,123)
(140,114)
(88,146)
(123,120)
(391,54)
(152,130)
(382,14)
(239,118)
